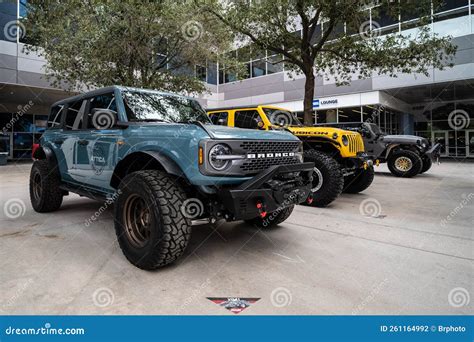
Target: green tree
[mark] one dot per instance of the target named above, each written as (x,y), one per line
(150,44)
(346,44)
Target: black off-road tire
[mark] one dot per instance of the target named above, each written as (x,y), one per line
(45,195)
(169,229)
(332,178)
(415,159)
(427,163)
(359,181)
(272,219)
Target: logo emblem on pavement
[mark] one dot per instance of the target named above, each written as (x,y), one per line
(234,304)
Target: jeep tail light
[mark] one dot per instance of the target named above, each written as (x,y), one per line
(33,150)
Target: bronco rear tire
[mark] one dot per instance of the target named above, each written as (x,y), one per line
(272,219)
(45,195)
(427,163)
(328,180)
(359,181)
(404,163)
(150,224)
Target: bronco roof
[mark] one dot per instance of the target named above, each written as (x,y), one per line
(109,89)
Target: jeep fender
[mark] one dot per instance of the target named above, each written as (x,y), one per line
(144,160)
(44,152)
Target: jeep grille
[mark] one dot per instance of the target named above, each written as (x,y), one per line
(355,143)
(256,165)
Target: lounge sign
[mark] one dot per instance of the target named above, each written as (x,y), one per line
(317,103)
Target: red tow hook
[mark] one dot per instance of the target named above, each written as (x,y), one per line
(34,148)
(309,200)
(261,210)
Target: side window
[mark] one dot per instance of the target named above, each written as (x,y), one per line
(54,120)
(74,115)
(247,119)
(104,101)
(220,118)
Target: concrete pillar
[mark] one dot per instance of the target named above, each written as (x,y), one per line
(407,124)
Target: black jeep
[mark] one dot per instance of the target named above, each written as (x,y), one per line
(406,155)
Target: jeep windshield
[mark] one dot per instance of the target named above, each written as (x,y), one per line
(148,106)
(282,118)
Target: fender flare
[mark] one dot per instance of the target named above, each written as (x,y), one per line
(165,162)
(168,164)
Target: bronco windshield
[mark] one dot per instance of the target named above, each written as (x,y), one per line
(148,106)
(282,118)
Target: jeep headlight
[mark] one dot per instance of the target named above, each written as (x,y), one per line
(345,140)
(217,157)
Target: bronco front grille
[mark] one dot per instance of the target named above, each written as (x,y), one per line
(260,164)
(355,143)
(269,146)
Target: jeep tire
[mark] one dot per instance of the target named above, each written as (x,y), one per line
(359,181)
(150,224)
(404,163)
(45,194)
(427,163)
(272,219)
(328,180)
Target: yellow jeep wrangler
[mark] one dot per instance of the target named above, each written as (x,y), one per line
(339,156)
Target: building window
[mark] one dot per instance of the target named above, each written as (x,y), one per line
(201,73)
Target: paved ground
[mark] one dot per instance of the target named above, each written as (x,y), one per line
(404,246)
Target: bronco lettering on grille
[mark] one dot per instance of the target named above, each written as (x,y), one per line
(269,155)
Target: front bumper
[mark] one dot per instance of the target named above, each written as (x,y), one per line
(434,152)
(269,191)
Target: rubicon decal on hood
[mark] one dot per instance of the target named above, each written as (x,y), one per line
(234,304)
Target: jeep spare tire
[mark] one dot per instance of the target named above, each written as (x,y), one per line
(359,181)
(404,163)
(150,224)
(427,163)
(328,180)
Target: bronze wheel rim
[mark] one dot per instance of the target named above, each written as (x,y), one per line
(403,164)
(137,220)
(37,186)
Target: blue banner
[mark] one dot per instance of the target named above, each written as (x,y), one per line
(237,328)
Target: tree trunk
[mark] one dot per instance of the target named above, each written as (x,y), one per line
(308,98)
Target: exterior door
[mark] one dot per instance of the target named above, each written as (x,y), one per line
(442,138)
(470,143)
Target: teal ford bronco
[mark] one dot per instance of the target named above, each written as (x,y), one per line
(162,163)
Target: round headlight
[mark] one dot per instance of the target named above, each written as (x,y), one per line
(345,141)
(215,152)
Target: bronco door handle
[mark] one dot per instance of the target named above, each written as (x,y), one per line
(83,142)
